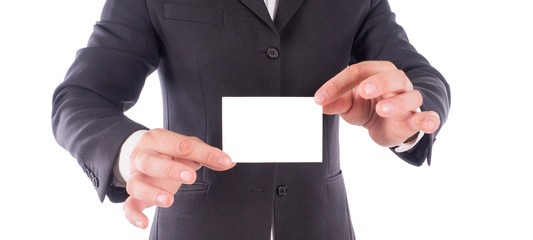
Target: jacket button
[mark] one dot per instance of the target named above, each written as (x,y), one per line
(282,190)
(95,182)
(85,169)
(272,53)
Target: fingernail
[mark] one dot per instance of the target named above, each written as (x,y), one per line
(369,89)
(225,161)
(387,107)
(139,224)
(321,98)
(162,199)
(186,176)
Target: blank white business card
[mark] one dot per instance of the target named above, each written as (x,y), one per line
(272,129)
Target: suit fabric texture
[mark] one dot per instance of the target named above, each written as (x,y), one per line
(206,49)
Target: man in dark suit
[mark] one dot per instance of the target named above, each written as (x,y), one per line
(349,54)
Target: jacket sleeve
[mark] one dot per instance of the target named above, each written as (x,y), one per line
(105,80)
(381,38)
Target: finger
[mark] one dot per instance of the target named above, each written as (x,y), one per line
(427,122)
(349,78)
(385,84)
(155,165)
(399,104)
(188,148)
(133,210)
(340,105)
(139,188)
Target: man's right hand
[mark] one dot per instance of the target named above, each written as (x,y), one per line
(160,163)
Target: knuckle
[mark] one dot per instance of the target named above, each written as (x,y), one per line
(408,84)
(158,130)
(333,87)
(153,135)
(148,196)
(143,163)
(134,156)
(171,172)
(149,135)
(389,65)
(195,139)
(381,81)
(136,175)
(435,115)
(355,70)
(130,188)
(419,97)
(209,156)
(184,147)
(401,73)
(405,80)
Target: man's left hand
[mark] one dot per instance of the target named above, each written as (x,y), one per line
(379,97)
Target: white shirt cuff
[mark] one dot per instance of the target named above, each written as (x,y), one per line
(408,145)
(121,169)
(404,147)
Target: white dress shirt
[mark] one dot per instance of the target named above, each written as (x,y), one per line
(121,170)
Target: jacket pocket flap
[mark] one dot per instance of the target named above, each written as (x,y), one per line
(194,13)
(195,187)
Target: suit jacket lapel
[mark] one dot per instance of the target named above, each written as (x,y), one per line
(286,9)
(259,8)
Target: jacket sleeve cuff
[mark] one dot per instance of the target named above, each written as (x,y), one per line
(419,153)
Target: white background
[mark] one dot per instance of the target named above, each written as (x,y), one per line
(478,187)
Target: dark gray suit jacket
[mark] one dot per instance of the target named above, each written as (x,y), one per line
(206,49)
